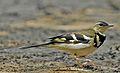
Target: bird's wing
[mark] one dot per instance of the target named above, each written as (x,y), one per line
(71,38)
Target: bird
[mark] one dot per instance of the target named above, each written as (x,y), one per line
(79,44)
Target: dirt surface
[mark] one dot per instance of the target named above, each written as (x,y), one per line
(28,22)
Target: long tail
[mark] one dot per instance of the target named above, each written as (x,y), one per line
(26,47)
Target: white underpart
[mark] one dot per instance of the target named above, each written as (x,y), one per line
(75,46)
(74,37)
(86,37)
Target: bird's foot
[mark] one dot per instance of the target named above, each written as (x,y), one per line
(88,64)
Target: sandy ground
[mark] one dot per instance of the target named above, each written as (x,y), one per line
(24,24)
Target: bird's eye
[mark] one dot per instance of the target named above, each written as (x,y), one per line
(101,24)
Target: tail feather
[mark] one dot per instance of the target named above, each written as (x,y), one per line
(25,47)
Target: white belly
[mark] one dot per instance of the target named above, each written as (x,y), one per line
(75,46)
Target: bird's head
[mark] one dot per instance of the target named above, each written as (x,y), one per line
(102,26)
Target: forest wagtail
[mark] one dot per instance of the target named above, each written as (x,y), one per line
(80,43)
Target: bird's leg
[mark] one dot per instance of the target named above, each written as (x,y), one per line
(77,60)
(83,63)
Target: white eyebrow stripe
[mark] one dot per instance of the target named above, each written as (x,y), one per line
(74,37)
(86,37)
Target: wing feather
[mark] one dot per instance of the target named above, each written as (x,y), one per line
(70,38)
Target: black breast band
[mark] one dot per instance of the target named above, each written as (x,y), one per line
(101,39)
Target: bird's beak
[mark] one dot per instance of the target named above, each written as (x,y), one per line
(110,25)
